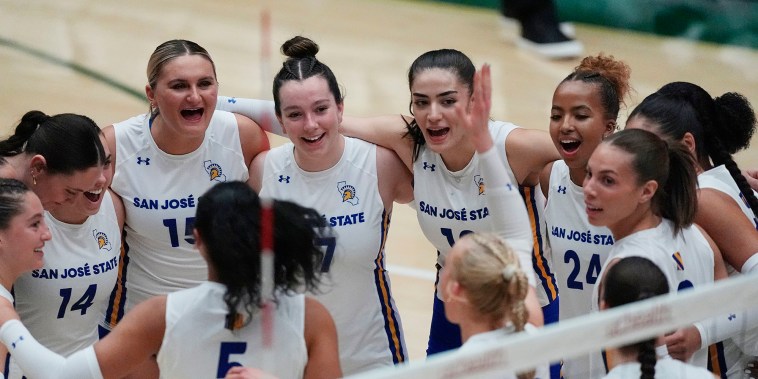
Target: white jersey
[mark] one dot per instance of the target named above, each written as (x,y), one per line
(4,293)
(63,302)
(665,368)
(197,344)
(686,259)
(347,195)
(726,358)
(453,204)
(579,252)
(160,193)
(498,335)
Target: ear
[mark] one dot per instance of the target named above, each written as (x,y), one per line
(199,244)
(340,109)
(689,141)
(610,127)
(38,163)
(149,93)
(279,118)
(648,190)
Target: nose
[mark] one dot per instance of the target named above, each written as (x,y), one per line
(310,122)
(434,113)
(193,94)
(46,235)
(567,124)
(588,187)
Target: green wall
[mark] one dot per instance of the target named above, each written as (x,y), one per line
(732,22)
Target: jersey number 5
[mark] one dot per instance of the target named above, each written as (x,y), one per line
(224,356)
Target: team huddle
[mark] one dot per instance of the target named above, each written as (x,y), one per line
(135,250)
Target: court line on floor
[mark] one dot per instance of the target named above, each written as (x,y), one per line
(88,72)
(412,272)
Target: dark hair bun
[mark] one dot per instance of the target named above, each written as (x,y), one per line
(737,119)
(299,47)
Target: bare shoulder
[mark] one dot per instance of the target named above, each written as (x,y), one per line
(252,138)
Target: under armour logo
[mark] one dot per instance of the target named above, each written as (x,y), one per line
(429,166)
(20,338)
(562,189)
(146,161)
(231,100)
(284,179)
(732,316)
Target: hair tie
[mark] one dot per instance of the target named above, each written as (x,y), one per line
(508,272)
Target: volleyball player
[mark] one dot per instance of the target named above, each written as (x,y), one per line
(353,184)
(633,279)
(58,157)
(584,111)
(644,190)
(64,301)
(450,150)
(712,129)
(23,234)
(484,289)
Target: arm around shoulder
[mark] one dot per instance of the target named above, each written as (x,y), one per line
(137,337)
(387,131)
(252,138)
(528,152)
(394,178)
(321,341)
(727,226)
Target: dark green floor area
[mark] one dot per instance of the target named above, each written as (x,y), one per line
(733,22)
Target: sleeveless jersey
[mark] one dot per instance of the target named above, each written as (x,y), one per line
(579,251)
(664,368)
(347,195)
(686,260)
(453,204)
(63,302)
(725,358)
(160,193)
(196,343)
(486,338)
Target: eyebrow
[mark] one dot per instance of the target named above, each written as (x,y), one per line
(446,93)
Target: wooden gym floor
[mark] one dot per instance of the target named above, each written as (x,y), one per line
(89,57)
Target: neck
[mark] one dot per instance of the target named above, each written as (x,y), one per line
(459,158)
(7,278)
(616,357)
(315,163)
(577,175)
(472,326)
(173,143)
(68,217)
(636,222)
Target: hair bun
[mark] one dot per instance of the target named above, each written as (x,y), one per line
(299,47)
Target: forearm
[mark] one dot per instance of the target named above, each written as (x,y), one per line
(506,207)
(733,325)
(260,111)
(38,362)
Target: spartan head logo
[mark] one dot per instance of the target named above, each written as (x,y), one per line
(348,193)
(214,171)
(102,240)
(479,182)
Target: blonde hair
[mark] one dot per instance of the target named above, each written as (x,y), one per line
(495,285)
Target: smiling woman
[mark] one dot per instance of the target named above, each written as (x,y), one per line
(170,157)
(58,157)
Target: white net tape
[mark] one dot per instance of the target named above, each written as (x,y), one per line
(615,327)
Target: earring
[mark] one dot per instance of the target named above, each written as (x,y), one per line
(34,180)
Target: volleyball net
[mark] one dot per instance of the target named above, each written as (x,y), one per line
(615,327)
